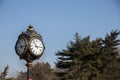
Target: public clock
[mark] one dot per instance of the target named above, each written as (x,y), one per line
(36,46)
(20,46)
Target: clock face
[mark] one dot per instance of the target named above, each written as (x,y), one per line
(36,46)
(20,46)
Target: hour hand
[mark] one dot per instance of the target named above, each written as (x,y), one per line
(22,46)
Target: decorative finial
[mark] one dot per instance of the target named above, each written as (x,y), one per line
(30,28)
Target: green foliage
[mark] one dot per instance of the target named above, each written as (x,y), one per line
(90,60)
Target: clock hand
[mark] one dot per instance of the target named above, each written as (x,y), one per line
(22,46)
(36,46)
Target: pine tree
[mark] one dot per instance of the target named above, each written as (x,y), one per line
(111,56)
(90,60)
(69,59)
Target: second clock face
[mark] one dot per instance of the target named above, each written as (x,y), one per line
(36,46)
(20,46)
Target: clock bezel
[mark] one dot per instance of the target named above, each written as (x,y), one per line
(24,49)
(30,46)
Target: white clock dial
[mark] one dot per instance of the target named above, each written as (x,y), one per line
(20,46)
(36,46)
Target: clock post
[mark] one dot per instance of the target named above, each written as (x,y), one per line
(29,47)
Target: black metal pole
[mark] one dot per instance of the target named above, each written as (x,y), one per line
(29,66)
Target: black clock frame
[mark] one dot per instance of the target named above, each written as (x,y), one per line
(28,36)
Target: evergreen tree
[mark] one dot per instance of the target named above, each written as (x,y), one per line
(69,59)
(90,60)
(110,56)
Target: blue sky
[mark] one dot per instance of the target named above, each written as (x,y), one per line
(57,21)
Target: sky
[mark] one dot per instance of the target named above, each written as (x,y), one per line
(57,21)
